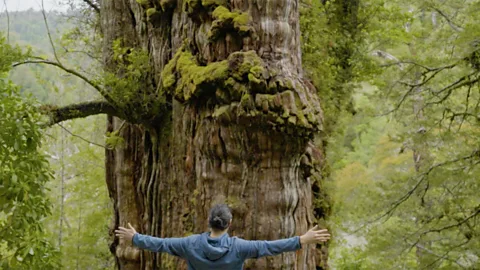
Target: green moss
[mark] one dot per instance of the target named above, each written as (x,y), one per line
(257,71)
(247,100)
(185,78)
(292,120)
(221,110)
(246,63)
(302,121)
(256,74)
(222,13)
(191,5)
(226,20)
(228,84)
(207,3)
(188,78)
(311,117)
(143,3)
(289,84)
(196,7)
(240,18)
(253,79)
(154,16)
(151,12)
(167,4)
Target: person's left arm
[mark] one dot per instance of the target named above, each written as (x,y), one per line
(173,246)
(256,249)
(260,248)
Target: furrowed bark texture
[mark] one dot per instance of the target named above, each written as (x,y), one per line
(237,130)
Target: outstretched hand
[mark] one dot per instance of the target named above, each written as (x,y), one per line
(315,236)
(126,234)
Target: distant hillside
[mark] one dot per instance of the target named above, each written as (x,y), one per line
(28,28)
(48,84)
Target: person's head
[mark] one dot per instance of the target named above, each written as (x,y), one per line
(220,217)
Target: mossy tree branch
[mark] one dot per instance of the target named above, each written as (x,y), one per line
(80,110)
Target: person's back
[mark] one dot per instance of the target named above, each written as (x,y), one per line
(216,249)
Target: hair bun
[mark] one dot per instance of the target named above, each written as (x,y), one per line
(219,217)
(218,220)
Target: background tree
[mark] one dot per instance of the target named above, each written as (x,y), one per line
(432,210)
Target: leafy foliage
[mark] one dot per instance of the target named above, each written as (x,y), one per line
(406,168)
(24,171)
(83,204)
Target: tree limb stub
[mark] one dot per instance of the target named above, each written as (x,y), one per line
(80,110)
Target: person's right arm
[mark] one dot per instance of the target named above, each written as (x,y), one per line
(257,249)
(173,246)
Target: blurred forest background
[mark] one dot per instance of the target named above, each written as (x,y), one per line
(403,150)
(81,211)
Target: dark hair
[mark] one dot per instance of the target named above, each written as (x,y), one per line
(220,216)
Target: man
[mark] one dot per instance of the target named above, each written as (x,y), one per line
(216,249)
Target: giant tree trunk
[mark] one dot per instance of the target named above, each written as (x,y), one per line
(235,128)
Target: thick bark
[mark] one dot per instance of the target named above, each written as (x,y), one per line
(212,145)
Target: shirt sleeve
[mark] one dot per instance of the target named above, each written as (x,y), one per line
(173,246)
(256,249)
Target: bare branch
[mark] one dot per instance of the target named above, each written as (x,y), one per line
(458,224)
(80,110)
(92,5)
(70,71)
(453,25)
(81,138)
(428,69)
(388,56)
(422,178)
(463,81)
(441,257)
(49,33)
(429,74)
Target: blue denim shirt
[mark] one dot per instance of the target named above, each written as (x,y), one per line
(203,252)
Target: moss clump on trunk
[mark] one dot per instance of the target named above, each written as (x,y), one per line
(229,21)
(154,16)
(185,78)
(240,82)
(143,3)
(207,3)
(194,6)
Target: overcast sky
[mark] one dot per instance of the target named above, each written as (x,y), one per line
(16,5)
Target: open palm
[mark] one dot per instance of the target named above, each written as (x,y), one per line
(315,236)
(126,234)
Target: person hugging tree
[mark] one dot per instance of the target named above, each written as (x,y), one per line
(216,249)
